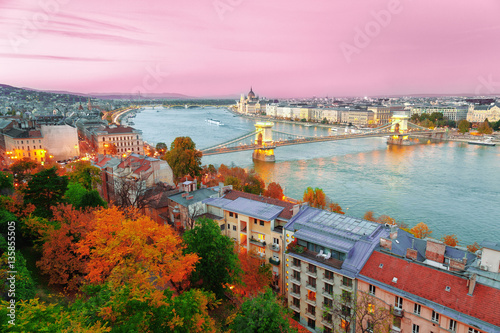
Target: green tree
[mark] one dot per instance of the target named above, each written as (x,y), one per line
(436,116)
(263,313)
(25,286)
(6,183)
(85,174)
(254,184)
(80,198)
(92,199)
(463,126)
(184,158)
(231,180)
(161,148)
(45,190)
(219,264)
(22,169)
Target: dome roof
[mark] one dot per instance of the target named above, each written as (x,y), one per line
(251,93)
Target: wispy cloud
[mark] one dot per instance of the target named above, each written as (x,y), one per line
(50,57)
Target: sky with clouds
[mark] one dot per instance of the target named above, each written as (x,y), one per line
(222,47)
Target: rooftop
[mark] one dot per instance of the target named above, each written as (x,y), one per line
(430,288)
(286,213)
(197,196)
(253,208)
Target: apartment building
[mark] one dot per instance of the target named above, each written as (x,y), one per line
(125,139)
(256,223)
(431,287)
(449,112)
(382,114)
(325,253)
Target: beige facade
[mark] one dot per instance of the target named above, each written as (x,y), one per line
(478,114)
(125,139)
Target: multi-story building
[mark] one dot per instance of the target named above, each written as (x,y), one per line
(124,139)
(251,104)
(325,253)
(479,113)
(432,287)
(455,113)
(256,224)
(357,117)
(382,114)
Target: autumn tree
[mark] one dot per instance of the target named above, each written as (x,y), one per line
(369,216)
(45,190)
(263,313)
(274,190)
(218,265)
(421,230)
(484,127)
(235,182)
(464,126)
(161,148)
(385,219)
(60,259)
(335,208)
(184,158)
(315,197)
(474,247)
(255,276)
(254,184)
(450,240)
(372,314)
(138,251)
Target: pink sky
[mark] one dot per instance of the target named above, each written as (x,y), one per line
(282,48)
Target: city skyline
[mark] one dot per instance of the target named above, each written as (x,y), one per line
(282,49)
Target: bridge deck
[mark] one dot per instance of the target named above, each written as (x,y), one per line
(225,150)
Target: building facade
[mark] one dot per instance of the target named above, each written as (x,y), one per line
(479,113)
(124,139)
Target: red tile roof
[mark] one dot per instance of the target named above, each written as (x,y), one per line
(118,130)
(431,283)
(285,214)
(103,162)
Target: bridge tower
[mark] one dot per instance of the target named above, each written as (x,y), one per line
(264,140)
(399,128)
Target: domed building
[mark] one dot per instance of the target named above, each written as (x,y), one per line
(251,104)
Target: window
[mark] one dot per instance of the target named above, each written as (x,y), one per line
(261,222)
(472,330)
(296,262)
(328,303)
(328,275)
(234,227)
(311,323)
(347,282)
(296,302)
(398,303)
(416,309)
(296,288)
(435,316)
(296,275)
(346,296)
(415,329)
(328,288)
(346,311)
(328,318)
(231,214)
(255,221)
(453,325)
(222,226)
(344,324)
(312,268)
(236,215)
(372,289)
(327,330)
(311,281)
(311,309)
(276,241)
(311,295)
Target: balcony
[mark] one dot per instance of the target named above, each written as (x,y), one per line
(335,263)
(326,293)
(294,294)
(311,287)
(311,301)
(326,323)
(258,242)
(295,267)
(275,247)
(398,312)
(244,230)
(328,279)
(313,273)
(346,287)
(294,307)
(274,261)
(294,280)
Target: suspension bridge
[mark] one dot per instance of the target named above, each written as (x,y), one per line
(263,140)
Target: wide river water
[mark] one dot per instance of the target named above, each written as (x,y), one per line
(453,187)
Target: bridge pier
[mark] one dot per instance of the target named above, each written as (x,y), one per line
(264,140)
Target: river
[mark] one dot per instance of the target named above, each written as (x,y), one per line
(453,187)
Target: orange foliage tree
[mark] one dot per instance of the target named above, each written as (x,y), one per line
(274,190)
(450,240)
(369,216)
(474,247)
(136,251)
(60,260)
(335,207)
(421,230)
(254,278)
(315,197)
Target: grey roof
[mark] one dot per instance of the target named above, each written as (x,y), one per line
(198,195)
(355,237)
(405,241)
(256,209)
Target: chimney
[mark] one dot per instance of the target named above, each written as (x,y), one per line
(435,250)
(295,209)
(472,284)
(394,231)
(386,243)
(411,254)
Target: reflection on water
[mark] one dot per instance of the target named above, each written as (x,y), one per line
(451,186)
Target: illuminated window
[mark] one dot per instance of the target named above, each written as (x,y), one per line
(371,308)
(262,237)
(344,324)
